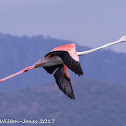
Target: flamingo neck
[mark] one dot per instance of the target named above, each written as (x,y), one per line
(96,49)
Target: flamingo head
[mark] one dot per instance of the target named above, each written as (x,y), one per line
(123,39)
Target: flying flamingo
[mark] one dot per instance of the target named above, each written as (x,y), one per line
(59,60)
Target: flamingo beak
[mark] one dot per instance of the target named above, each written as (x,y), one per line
(40,63)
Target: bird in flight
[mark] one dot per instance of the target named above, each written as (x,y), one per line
(57,62)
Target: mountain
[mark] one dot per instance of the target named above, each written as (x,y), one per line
(100,93)
(97,103)
(17,53)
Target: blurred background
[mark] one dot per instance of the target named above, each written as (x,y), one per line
(30,29)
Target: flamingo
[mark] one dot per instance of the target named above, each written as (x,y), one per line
(57,62)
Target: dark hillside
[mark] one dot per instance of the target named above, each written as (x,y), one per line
(17,53)
(97,104)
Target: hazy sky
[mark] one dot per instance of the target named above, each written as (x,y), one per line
(88,22)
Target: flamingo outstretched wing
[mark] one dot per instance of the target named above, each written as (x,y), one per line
(69,56)
(62,78)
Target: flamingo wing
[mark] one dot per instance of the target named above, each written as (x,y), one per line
(62,78)
(68,61)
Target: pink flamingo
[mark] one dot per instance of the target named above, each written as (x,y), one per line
(59,60)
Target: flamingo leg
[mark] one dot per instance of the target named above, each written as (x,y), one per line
(20,72)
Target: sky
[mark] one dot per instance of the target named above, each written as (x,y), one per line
(87,22)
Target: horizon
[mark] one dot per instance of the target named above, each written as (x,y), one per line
(50,37)
(89,23)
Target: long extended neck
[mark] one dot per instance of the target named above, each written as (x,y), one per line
(96,49)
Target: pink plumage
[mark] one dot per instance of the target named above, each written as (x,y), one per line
(59,60)
(57,63)
(70,48)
